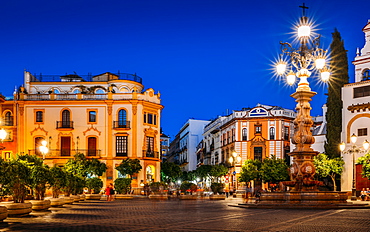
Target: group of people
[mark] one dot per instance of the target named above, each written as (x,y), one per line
(365,194)
(109,191)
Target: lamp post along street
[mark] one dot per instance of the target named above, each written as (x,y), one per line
(353,150)
(235,162)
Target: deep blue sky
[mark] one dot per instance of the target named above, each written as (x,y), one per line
(204,56)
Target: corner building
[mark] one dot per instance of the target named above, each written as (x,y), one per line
(109,117)
(257,134)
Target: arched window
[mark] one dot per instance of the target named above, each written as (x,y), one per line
(99,91)
(76,91)
(272,133)
(244,134)
(8,119)
(39,116)
(66,119)
(122,118)
(366,75)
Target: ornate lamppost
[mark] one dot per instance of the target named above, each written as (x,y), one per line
(353,150)
(301,62)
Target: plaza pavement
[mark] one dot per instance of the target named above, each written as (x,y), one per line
(186,215)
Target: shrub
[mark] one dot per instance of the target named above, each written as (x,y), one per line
(217,187)
(122,185)
(94,184)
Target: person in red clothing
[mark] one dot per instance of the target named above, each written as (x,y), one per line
(109,191)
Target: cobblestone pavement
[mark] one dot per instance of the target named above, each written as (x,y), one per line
(185,215)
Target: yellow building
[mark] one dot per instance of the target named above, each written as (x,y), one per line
(109,116)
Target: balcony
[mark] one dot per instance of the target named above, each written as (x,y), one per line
(121,124)
(58,153)
(8,121)
(64,124)
(151,154)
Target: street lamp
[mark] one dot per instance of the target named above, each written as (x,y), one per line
(235,160)
(354,150)
(301,62)
(44,149)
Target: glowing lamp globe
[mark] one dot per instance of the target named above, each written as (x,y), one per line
(366,145)
(290,78)
(304,31)
(3,134)
(320,63)
(353,138)
(342,146)
(281,67)
(325,76)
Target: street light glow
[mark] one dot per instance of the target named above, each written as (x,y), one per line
(304,31)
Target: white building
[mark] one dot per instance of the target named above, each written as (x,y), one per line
(190,136)
(212,142)
(356,109)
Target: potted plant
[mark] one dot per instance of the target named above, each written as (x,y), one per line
(41,179)
(188,188)
(59,182)
(94,185)
(122,188)
(16,177)
(157,190)
(217,189)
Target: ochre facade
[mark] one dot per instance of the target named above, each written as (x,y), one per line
(109,117)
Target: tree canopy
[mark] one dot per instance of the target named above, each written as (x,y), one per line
(251,171)
(328,167)
(339,72)
(365,161)
(170,171)
(129,167)
(274,170)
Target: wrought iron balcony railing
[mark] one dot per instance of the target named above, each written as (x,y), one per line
(121,124)
(65,124)
(151,154)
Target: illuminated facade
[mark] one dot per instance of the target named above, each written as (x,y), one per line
(109,116)
(356,112)
(255,133)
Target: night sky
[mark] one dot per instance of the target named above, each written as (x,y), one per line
(206,57)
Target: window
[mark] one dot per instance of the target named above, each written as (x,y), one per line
(272,133)
(361,91)
(258,153)
(150,118)
(91,146)
(8,119)
(122,118)
(39,116)
(228,137)
(362,132)
(92,116)
(258,129)
(286,133)
(233,135)
(65,146)
(149,146)
(244,134)
(66,119)
(121,146)
(99,91)
(366,75)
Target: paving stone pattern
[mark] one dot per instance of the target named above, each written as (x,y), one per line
(186,215)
